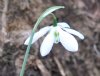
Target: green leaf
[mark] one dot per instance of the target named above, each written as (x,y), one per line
(46,13)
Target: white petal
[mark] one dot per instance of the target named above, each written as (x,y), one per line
(38,34)
(47,44)
(68,41)
(74,32)
(63,25)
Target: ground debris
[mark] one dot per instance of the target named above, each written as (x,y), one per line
(17,18)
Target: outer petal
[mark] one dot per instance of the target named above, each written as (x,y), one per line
(47,44)
(63,25)
(39,34)
(74,32)
(68,41)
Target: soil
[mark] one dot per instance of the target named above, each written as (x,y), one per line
(17,18)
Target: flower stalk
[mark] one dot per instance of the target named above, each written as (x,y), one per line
(54,20)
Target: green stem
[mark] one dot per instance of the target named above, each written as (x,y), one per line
(26,55)
(28,49)
(54,20)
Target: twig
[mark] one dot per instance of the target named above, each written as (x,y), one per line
(42,68)
(24,4)
(27,3)
(3,18)
(96,50)
(59,67)
(3,23)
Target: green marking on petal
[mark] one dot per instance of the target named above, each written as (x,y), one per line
(56,35)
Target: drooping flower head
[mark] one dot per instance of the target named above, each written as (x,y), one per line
(61,33)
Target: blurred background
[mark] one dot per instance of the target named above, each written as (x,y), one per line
(17,18)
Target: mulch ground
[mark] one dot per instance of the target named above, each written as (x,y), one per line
(17,18)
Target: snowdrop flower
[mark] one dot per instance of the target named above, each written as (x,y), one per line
(61,33)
